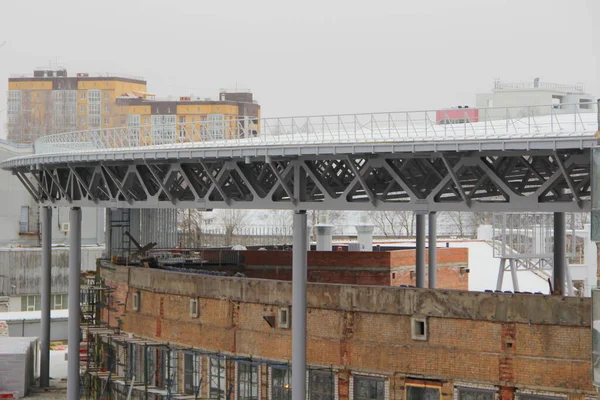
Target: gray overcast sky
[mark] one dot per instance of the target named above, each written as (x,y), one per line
(313,57)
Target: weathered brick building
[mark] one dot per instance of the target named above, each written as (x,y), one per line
(184,334)
(382,268)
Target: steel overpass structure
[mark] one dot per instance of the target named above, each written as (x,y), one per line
(534,159)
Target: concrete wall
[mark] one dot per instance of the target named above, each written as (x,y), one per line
(20,269)
(31,328)
(14,196)
(508,342)
(18,364)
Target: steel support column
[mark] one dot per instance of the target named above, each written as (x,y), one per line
(432,243)
(74,288)
(46,293)
(420,250)
(501,270)
(559,274)
(299,277)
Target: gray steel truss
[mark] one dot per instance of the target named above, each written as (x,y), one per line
(527,179)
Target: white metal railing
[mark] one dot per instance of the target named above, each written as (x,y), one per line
(408,126)
(577,88)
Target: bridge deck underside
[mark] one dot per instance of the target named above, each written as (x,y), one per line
(462,181)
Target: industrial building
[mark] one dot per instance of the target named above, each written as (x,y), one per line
(533,98)
(50,101)
(349,325)
(188,335)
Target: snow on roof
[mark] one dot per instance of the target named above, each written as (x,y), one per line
(32,315)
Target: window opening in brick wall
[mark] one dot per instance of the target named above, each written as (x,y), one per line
(136,301)
(368,388)
(217,378)
(194,308)
(414,392)
(281,383)
(419,328)
(467,393)
(532,396)
(134,362)
(247,381)
(283,320)
(192,373)
(321,385)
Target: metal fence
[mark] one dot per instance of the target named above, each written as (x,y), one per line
(453,124)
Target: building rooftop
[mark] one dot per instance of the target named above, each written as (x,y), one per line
(536,84)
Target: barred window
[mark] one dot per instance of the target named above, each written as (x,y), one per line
(465,393)
(369,388)
(321,385)
(422,393)
(192,373)
(247,381)
(281,383)
(217,378)
(531,396)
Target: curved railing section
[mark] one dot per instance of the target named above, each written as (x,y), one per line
(451,124)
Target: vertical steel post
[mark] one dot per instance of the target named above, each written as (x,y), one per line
(559,273)
(299,277)
(74,287)
(500,274)
(432,242)
(46,293)
(513,274)
(420,251)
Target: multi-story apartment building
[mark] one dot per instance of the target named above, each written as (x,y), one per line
(158,121)
(49,102)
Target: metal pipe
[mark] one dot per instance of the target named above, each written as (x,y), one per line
(500,273)
(432,242)
(74,287)
(299,277)
(514,276)
(46,293)
(559,274)
(420,251)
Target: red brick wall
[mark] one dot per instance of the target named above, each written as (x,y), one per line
(451,273)
(505,354)
(360,268)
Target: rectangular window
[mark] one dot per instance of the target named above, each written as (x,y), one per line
(369,388)
(247,381)
(281,383)
(106,121)
(106,95)
(59,302)
(217,378)
(466,393)
(321,385)
(163,129)
(422,393)
(531,396)
(82,95)
(134,370)
(133,129)
(31,303)
(24,219)
(215,127)
(14,102)
(192,373)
